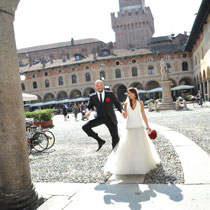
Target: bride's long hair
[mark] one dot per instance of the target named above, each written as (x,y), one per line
(133,90)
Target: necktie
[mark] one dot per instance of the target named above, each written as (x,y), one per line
(101,98)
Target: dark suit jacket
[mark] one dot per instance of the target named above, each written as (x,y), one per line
(108,108)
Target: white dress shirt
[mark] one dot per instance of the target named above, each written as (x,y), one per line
(102,94)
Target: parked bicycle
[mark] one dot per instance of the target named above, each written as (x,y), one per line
(31,130)
(38,141)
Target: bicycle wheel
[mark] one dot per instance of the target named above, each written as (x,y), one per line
(39,141)
(51,138)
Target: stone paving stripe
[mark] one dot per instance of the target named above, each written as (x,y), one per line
(55,203)
(195,161)
(57,189)
(126,179)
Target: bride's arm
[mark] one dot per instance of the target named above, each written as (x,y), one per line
(125,115)
(144,116)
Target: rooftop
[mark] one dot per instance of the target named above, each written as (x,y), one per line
(57,45)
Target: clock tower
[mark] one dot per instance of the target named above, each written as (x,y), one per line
(134,24)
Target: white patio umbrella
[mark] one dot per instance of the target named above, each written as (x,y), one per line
(159,89)
(182,87)
(142,91)
(29,97)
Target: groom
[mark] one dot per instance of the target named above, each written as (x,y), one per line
(103,101)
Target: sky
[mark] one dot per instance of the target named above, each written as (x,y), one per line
(39,22)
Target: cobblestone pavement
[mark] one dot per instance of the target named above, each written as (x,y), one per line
(73,158)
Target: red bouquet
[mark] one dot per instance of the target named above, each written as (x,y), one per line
(152,134)
(107,99)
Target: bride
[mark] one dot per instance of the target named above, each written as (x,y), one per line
(135,153)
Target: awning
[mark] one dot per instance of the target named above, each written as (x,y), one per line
(182,87)
(70,100)
(29,97)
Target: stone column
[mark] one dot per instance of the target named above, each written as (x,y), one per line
(201,88)
(16,188)
(204,88)
(167,101)
(208,89)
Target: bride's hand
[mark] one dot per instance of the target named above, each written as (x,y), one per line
(124,114)
(149,129)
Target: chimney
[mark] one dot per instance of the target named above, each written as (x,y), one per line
(94,53)
(185,33)
(64,58)
(30,61)
(72,41)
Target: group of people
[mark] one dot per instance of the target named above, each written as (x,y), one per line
(134,153)
(75,109)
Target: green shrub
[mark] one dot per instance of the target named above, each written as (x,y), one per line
(41,115)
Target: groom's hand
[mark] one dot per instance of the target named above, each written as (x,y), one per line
(87,115)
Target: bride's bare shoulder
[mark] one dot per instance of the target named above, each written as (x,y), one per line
(141,103)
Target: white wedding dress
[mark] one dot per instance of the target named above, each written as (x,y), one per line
(135,153)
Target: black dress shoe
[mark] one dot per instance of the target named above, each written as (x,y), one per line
(100,144)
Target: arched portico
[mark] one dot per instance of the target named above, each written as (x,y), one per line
(75,93)
(88,91)
(152,85)
(137,85)
(120,92)
(186,81)
(49,97)
(62,95)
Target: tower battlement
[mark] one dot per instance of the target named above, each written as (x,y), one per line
(133,25)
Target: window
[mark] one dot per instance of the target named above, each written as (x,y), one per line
(168,67)
(136,11)
(34,85)
(151,70)
(23,86)
(73,69)
(129,12)
(74,79)
(87,67)
(196,62)
(184,55)
(150,59)
(34,76)
(101,64)
(118,73)
(87,77)
(133,61)
(102,75)
(46,74)
(60,81)
(167,57)
(134,72)
(47,83)
(117,63)
(184,66)
(77,57)
(60,71)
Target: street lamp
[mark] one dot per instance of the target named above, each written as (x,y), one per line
(22,76)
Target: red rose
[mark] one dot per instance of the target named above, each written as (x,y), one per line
(152,134)
(107,100)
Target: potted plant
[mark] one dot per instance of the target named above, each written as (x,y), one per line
(41,117)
